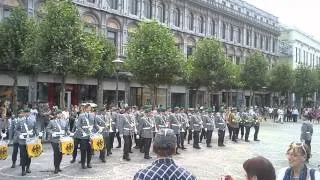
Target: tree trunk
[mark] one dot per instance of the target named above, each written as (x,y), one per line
(227,99)
(253,99)
(197,98)
(152,93)
(62,92)
(100,94)
(231,98)
(250,98)
(15,93)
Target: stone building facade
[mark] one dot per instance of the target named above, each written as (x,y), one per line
(241,27)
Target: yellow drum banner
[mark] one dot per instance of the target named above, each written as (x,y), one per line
(66,145)
(34,148)
(3,150)
(97,142)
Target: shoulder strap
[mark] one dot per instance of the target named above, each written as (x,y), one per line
(312,174)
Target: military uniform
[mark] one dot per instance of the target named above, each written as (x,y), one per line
(57,128)
(248,124)
(147,134)
(103,128)
(175,126)
(14,137)
(114,117)
(125,128)
(25,128)
(208,125)
(86,124)
(256,125)
(76,139)
(195,124)
(184,126)
(221,126)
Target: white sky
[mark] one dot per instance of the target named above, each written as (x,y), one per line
(302,14)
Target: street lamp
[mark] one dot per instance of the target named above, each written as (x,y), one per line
(155,88)
(118,63)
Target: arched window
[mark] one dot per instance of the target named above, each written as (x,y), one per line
(176,17)
(148,9)
(231,33)
(213,28)
(113,28)
(90,24)
(201,24)
(113,4)
(190,20)
(161,12)
(239,35)
(224,27)
(133,6)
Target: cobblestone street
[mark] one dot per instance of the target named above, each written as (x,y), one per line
(207,163)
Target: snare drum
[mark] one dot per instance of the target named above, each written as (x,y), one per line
(66,145)
(3,150)
(34,147)
(97,142)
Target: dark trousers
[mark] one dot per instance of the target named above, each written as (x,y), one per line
(209,136)
(178,140)
(241,130)
(57,155)
(106,147)
(119,139)
(76,142)
(137,141)
(308,143)
(25,160)
(230,129)
(147,145)
(295,117)
(189,135)
(127,145)
(182,137)
(196,138)
(141,144)
(112,134)
(247,133)
(86,151)
(234,133)
(221,134)
(15,152)
(203,134)
(256,132)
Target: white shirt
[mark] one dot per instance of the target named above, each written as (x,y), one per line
(282,173)
(295,111)
(65,114)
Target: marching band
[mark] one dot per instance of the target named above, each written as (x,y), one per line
(95,131)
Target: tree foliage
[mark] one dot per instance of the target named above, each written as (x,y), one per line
(281,78)
(305,81)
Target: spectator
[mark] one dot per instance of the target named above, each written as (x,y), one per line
(164,167)
(257,168)
(295,114)
(306,132)
(298,157)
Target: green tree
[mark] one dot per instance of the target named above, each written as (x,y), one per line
(254,74)
(305,83)
(15,31)
(102,53)
(152,56)
(61,42)
(281,79)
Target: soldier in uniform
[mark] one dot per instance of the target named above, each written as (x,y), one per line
(147,132)
(234,124)
(102,124)
(184,126)
(136,118)
(208,125)
(242,123)
(160,122)
(57,128)
(25,128)
(256,125)
(190,113)
(195,124)
(14,137)
(247,125)
(125,130)
(221,126)
(175,126)
(76,139)
(86,124)
(114,116)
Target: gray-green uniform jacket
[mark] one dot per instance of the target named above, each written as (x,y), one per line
(124,125)
(208,122)
(195,122)
(27,128)
(174,123)
(86,124)
(114,118)
(102,124)
(75,129)
(146,125)
(12,134)
(159,122)
(60,127)
(220,122)
(184,120)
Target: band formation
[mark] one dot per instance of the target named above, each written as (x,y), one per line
(96,131)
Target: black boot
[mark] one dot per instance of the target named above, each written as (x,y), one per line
(13,165)
(72,161)
(56,171)
(83,166)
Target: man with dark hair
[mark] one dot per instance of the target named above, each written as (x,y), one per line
(164,167)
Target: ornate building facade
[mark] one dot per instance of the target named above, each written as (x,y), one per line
(241,27)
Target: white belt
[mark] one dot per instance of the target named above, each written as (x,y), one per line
(308,132)
(161,125)
(147,128)
(220,123)
(86,126)
(174,124)
(209,123)
(127,128)
(113,123)
(196,125)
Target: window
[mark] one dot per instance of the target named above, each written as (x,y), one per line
(232,6)
(190,20)
(147,9)
(299,55)
(237,60)
(91,1)
(261,42)
(248,38)
(267,44)
(6,13)
(189,51)
(201,24)
(161,13)
(296,54)
(113,4)
(231,33)
(304,57)
(134,7)
(224,3)
(239,35)
(255,39)
(112,37)
(224,31)
(176,17)
(213,28)
(274,46)
(239,9)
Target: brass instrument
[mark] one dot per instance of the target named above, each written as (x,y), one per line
(110,124)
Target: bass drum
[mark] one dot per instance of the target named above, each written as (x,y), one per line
(97,142)
(34,148)
(66,145)
(3,150)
